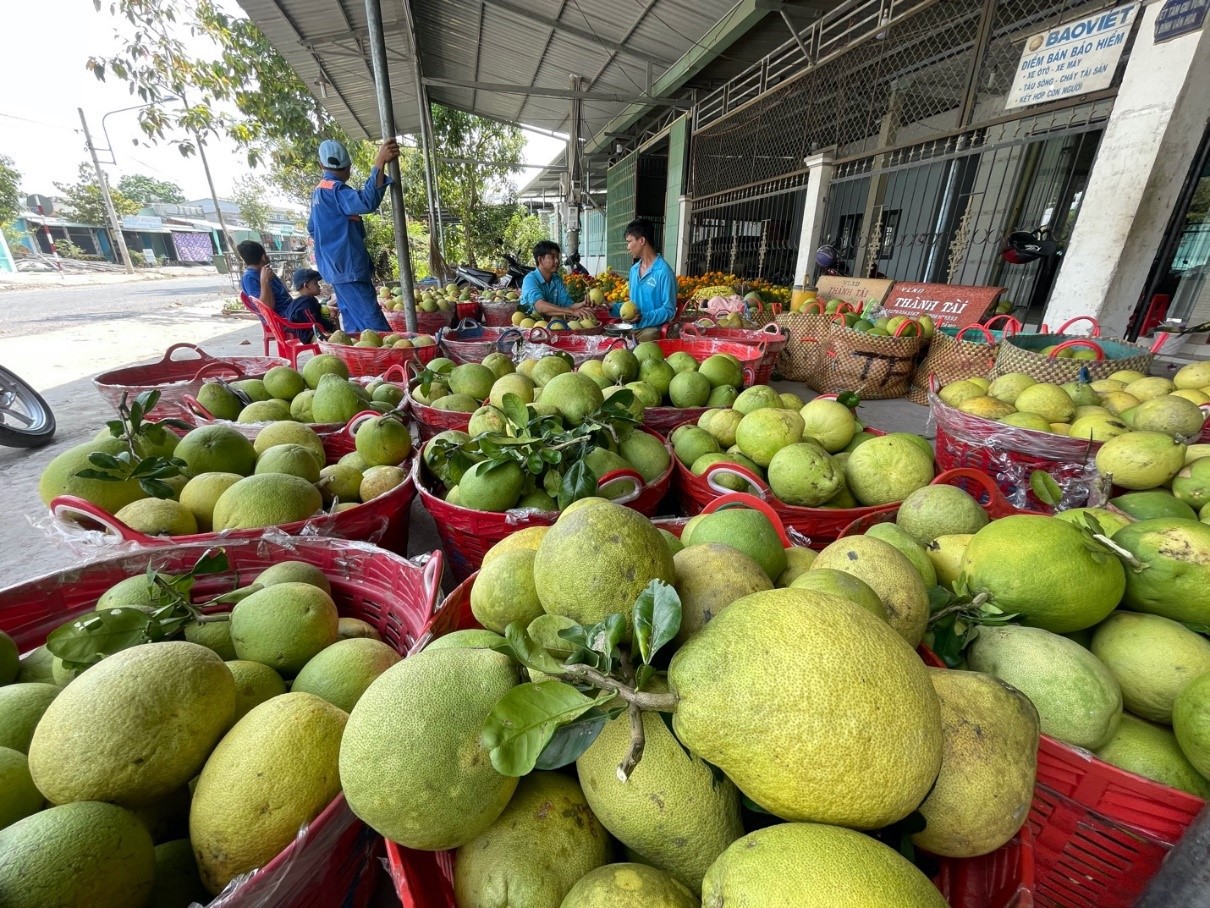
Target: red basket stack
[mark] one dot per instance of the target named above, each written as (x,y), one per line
(1002,879)
(336,861)
(467,534)
(468,309)
(498,315)
(665,419)
(772,338)
(383,520)
(364,362)
(470,342)
(176,377)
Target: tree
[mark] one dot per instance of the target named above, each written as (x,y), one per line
(84,198)
(249,195)
(10,193)
(145,189)
(522,232)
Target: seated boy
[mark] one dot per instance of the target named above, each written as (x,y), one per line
(305,306)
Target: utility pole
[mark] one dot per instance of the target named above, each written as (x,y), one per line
(575,178)
(114,224)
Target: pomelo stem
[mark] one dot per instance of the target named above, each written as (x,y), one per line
(638,742)
(1122,553)
(664,703)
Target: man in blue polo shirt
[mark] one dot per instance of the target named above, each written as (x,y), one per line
(340,237)
(652,284)
(258,274)
(543,293)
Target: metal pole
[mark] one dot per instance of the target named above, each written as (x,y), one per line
(114,224)
(574,177)
(386,114)
(426,117)
(427,147)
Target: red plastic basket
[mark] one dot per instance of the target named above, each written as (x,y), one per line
(498,315)
(665,419)
(467,534)
(383,520)
(426,322)
(197,415)
(581,346)
(175,377)
(424,879)
(336,861)
(470,342)
(469,309)
(365,362)
(772,338)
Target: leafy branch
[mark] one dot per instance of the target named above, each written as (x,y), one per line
(955,618)
(138,434)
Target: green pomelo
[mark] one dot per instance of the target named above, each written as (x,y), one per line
(335,401)
(887,469)
(543,842)
(202,492)
(254,388)
(547,368)
(672,811)
(487,488)
(59,478)
(384,440)
(411,762)
(216,449)
(273,773)
(830,422)
(1077,698)
(158,517)
(22,706)
(1191,723)
(911,549)
(214,635)
(983,792)
(219,400)
(133,728)
(354,628)
(439,464)
(728,480)
(1042,569)
(264,411)
(254,684)
(1140,460)
(858,737)
(504,591)
(674,543)
(810,865)
(1169,415)
(284,383)
(803,475)
(709,577)
(722,396)
(1152,658)
(300,407)
(628,886)
(1152,751)
(81,854)
(270,499)
(177,882)
(764,432)
(135,592)
(292,460)
(324,364)
(1108,521)
(620,365)
(648,351)
(284,625)
(339,482)
(658,374)
(644,393)
(842,585)
(473,638)
(1192,484)
(500,364)
(647,454)
(721,371)
(295,572)
(723,426)
(746,530)
(889,573)
(692,443)
(758,397)
(1152,504)
(513,383)
(19,797)
(689,389)
(388,393)
(627,554)
(35,667)
(574,396)
(378,481)
(939,510)
(798,562)
(1176,582)
(340,673)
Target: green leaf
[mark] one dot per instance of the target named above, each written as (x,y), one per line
(604,636)
(516,411)
(749,804)
(95,635)
(528,652)
(657,618)
(1045,488)
(571,740)
(524,720)
(103,475)
(578,482)
(643,675)
(535,464)
(939,598)
(104,461)
(156,489)
(211,561)
(552,482)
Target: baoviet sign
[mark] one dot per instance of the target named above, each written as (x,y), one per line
(853,290)
(949,305)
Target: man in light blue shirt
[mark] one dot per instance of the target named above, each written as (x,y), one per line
(543,293)
(652,284)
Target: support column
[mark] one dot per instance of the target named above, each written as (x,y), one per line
(681,252)
(820,168)
(1150,141)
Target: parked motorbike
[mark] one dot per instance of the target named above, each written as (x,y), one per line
(516,270)
(466,276)
(573,263)
(26,420)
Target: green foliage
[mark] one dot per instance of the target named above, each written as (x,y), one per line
(522,232)
(145,189)
(136,431)
(84,198)
(250,196)
(10,190)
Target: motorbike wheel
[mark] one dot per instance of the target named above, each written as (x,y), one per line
(26,420)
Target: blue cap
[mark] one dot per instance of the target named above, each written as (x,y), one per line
(333,155)
(303,276)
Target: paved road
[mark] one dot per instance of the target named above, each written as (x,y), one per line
(31,312)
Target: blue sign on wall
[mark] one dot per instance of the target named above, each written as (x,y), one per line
(1180,17)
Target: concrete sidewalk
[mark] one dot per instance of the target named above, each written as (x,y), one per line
(32,280)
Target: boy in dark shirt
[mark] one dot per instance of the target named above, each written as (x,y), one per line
(305,306)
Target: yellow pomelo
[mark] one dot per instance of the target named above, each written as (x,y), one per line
(202,492)
(340,673)
(1049,401)
(830,422)
(158,517)
(1191,723)
(858,736)
(945,552)
(810,865)
(1170,415)
(888,468)
(1096,427)
(889,573)
(959,392)
(1141,460)
(254,684)
(1194,375)
(289,432)
(504,591)
(1152,658)
(529,538)
(1153,751)
(711,576)
(1148,388)
(274,772)
(270,499)
(1023,420)
(845,586)
(628,886)
(1193,395)
(1006,387)
(1118,402)
(798,562)
(987,407)
(1107,385)
(1126,376)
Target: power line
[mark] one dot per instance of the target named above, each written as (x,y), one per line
(37,122)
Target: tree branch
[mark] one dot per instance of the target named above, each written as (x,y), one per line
(638,742)
(664,703)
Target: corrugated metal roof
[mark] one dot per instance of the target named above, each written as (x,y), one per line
(621,47)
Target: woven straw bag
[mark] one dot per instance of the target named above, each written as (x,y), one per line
(802,358)
(953,356)
(1023,354)
(876,367)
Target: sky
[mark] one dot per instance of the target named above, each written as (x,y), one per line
(46,45)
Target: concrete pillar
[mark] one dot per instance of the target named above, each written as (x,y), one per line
(1149,144)
(820,168)
(684,231)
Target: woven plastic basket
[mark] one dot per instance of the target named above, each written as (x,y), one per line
(958,353)
(426,322)
(1002,879)
(1022,353)
(772,338)
(579,345)
(470,342)
(467,534)
(665,419)
(430,421)
(175,376)
(335,860)
(373,361)
(498,315)
(383,520)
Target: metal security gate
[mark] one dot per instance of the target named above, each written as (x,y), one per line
(750,232)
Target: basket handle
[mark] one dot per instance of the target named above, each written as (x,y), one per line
(355,423)
(1096,326)
(1011,325)
(987,335)
(903,326)
(774,329)
(396,373)
(434,568)
(217,367)
(623,474)
(1078,342)
(995,498)
(816,308)
(723,468)
(71,509)
(539,336)
(510,337)
(743,500)
(193,406)
(613,343)
(749,373)
(690,329)
(198,352)
(467,324)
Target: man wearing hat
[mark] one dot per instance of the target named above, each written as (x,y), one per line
(305,306)
(340,237)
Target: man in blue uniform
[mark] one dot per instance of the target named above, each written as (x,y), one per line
(340,237)
(652,284)
(543,293)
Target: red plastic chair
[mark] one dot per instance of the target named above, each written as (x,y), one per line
(278,329)
(266,334)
